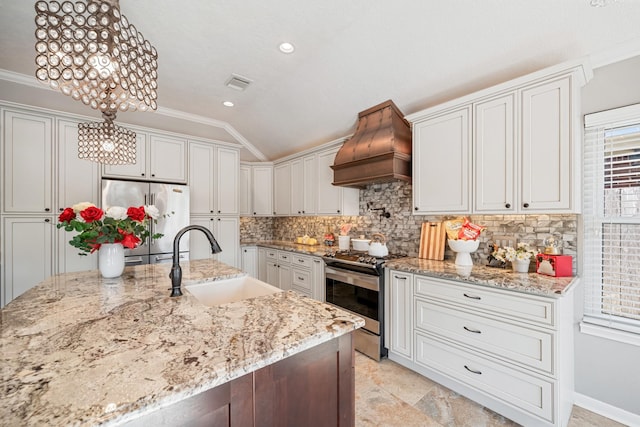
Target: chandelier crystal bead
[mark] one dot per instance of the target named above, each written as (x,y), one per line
(105,142)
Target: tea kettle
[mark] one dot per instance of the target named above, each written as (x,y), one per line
(378,245)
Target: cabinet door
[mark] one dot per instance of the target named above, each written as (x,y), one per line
(167,159)
(27,250)
(28,162)
(77,182)
(244,190)
(297,187)
(494,154)
(400,313)
(226,230)
(546,147)
(284,276)
(272,273)
(329,195)
(262,190)
(310,189)
(199,247)
(441,152)
(201,182)
(282,189)
(262,264)
(227,169)
(250,260)
(138,169)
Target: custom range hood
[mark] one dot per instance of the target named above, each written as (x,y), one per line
(379,150)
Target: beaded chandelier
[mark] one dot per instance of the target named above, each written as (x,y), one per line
(90,51)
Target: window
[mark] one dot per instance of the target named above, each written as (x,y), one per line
(611,219)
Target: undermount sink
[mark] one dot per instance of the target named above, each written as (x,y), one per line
(217,292)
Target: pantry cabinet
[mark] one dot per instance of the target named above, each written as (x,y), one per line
(28,163)
(508,351)
(226,231)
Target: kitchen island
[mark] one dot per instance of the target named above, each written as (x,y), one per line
(82,350)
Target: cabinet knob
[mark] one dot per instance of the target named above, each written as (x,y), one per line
(218,219)
(47,220)
(211,211)
(415,209)
(47,209)
(526,205)
(142,174)
(338,210)
(61,209)
(210,219)
(254,213)
(219,211)
(303,212)
(153,174)
(508,205)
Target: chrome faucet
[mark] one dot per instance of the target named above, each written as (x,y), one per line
(176,271)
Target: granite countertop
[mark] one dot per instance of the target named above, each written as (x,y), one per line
(530,283)
(315,250)
(81,350)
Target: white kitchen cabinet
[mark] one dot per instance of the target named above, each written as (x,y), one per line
(301,274)
(213,179)
(399,309)
(226,232)
(138,170)
(78,181)
(201,178)
(318,279)
(226,180)
(249,256)
(292,270)
(547,148)
(310,186)
(508,351)
(282,189)
(158,158)
(441,163)
(244,190)
(262,190)
(494,153)
(297,187)
(262,264)
(28,159)
(27,247)
(333,200)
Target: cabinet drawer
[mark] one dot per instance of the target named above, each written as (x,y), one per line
(513,343)
(526,392)
(301,261)
(301,279)
(284,256)
(528,308)
(272,254)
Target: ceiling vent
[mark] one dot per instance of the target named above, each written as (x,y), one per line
(238,82)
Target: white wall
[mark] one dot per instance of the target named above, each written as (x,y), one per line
(606,370)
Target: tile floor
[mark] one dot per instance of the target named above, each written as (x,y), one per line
(389,395)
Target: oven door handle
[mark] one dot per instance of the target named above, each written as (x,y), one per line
(353,278)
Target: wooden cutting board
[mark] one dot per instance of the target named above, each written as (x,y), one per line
(432,241)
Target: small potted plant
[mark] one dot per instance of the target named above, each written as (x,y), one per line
(520,257)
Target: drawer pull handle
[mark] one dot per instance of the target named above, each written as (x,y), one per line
(300,260)
(301,278)
(471,296)
(399,277)
(475,331)
(472,371)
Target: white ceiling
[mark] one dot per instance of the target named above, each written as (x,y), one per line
(350,55)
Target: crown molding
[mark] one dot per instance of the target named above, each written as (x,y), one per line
(617,53)
(31,81)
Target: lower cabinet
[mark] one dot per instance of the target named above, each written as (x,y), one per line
(249,257)
(508,351)
(291,270)
(226,230)
(314,388)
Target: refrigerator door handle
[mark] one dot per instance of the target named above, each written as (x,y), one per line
(152,200)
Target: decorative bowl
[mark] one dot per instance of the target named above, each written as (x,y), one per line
(463,249)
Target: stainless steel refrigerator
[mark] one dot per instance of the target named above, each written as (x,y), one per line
(171,199)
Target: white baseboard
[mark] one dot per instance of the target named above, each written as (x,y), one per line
(606,410)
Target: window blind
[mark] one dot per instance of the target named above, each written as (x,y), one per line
(611,218)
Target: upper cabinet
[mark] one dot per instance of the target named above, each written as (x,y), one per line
(158,158)
(244,190)
(331,199)
(262,190)
(27,162)
(227,180)
(524,139)
(282,189)
(441,154)
(213,179)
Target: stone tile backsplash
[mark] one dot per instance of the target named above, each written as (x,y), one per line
(402,228)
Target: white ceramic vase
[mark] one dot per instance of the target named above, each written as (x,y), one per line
(463,249)
(111,260)
(520,266)
(343,242)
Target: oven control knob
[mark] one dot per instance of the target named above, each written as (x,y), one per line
(362,259)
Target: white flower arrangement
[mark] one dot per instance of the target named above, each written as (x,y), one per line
(522,252)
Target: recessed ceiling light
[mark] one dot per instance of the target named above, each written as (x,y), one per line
(228,104)
(286,47)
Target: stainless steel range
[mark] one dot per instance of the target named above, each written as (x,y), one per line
(355,283)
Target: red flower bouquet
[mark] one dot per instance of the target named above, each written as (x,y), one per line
(117,225)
